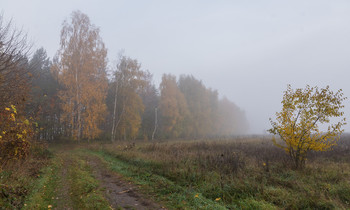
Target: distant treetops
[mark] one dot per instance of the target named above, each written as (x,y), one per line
(187,109)
(71,97)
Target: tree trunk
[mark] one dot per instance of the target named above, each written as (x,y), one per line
(155,122)
(114,112)
(78,123)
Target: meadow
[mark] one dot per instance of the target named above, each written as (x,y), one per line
(234,173)
(239,173)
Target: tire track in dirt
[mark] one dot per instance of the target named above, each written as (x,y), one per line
(119,193)
(64,200)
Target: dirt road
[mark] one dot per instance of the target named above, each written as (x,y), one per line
(119,193)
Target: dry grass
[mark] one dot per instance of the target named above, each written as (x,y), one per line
(240,170)
(16,178)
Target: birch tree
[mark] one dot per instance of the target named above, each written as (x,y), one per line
(201,104)
(81,63)
(173,107)
(128,107)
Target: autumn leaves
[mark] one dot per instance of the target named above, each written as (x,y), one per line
(72,97)
(129,85)
(81,64)
(16,133)
(186,107)
(298,123)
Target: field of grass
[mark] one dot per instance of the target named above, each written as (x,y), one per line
(241,173)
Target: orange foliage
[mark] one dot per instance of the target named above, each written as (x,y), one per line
(81,72)
(173,106)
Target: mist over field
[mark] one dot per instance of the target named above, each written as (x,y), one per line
(174,104)
(248,51)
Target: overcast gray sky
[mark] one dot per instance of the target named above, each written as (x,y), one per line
(248,50)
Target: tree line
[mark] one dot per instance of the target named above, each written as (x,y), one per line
(72,96)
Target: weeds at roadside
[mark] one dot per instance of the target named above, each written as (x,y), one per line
(44,191)
(18,179)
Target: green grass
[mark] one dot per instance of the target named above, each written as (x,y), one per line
(21,180)
(174,172)
(84,188)
(161,188)
(182,175)
(44,190)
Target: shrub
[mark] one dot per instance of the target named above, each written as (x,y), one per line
(16,134)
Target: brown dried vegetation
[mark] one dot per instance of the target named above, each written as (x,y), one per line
(246,172)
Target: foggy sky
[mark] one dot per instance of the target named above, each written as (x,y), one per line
(248,50)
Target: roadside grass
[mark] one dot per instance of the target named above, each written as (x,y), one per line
(83,187)
(44,191)
(244,174)
(18,180)
(162,189)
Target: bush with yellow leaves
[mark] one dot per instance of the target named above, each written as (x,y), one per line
(16,134)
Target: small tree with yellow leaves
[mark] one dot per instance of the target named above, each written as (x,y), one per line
(298,123)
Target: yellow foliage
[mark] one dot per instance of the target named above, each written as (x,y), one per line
(16,135)
(14,109)
(13,118)
(130,82)
(173,106)
(298,123)
(82,76)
